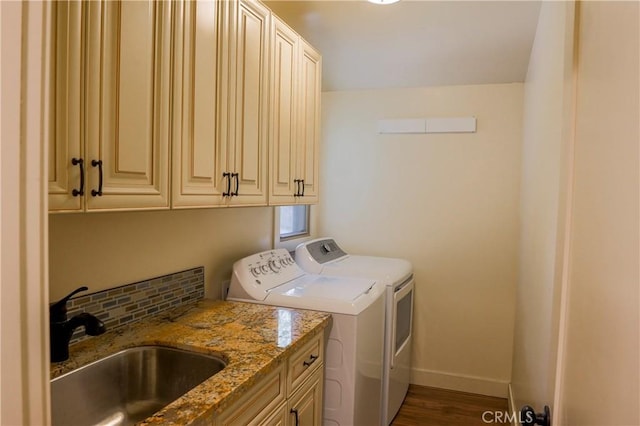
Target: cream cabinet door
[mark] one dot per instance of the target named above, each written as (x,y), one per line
(127,104)
(249,101)
(220,153)
(66,153)
(295,118)
(199,156)
(305,405)
(284,133)
(309,122)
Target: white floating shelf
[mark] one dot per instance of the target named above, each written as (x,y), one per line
(402,125)
(427,125)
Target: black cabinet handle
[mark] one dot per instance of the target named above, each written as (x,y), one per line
(302,185)
(79,162)
(295,412)
(235,176)
(312,359)
(227,193)
(98,164)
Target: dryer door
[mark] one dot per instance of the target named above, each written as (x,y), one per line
(402,325)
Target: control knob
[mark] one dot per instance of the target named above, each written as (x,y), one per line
(274,266)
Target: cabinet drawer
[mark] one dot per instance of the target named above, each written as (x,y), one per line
(304,362)
(258,403)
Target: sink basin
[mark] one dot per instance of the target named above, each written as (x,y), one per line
(128,386)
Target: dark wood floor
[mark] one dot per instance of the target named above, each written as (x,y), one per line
(424,406)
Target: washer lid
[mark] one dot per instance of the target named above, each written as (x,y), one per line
(325,287)
(337,295)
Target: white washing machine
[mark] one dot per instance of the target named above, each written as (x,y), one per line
(354,348)
(323,256)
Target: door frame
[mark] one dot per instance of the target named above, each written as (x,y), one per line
(24,343)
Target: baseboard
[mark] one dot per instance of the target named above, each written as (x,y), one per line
(459,382)
(512,407)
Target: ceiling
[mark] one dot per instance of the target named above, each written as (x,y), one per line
(415,43)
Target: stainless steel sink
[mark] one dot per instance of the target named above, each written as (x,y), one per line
(128,386)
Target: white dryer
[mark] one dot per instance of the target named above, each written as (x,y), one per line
(323,256)
(354,348)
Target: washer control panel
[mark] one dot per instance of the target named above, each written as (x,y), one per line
(266,269)
(270,265)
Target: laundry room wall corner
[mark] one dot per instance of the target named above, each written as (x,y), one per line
(448,203)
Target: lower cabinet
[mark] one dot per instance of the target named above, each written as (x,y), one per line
(305,405)
(259,403)
(291,395)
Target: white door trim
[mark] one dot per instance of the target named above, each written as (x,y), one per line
(24,345)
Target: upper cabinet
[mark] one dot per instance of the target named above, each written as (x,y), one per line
(180,104)
(127,104)
(111,134)
(283,164)
(66,145)
(295,118)
(248,102)
(309,124)
(199,158)
(220,134)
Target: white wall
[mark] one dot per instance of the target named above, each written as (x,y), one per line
(448,203)
(601,364)
(105,250)
(544,190)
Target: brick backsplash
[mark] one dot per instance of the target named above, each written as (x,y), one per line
(128,303)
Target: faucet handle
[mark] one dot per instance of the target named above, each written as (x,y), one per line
(58,310)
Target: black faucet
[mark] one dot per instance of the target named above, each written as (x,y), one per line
(61,329)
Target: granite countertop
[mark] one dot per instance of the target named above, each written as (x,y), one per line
(253,339)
